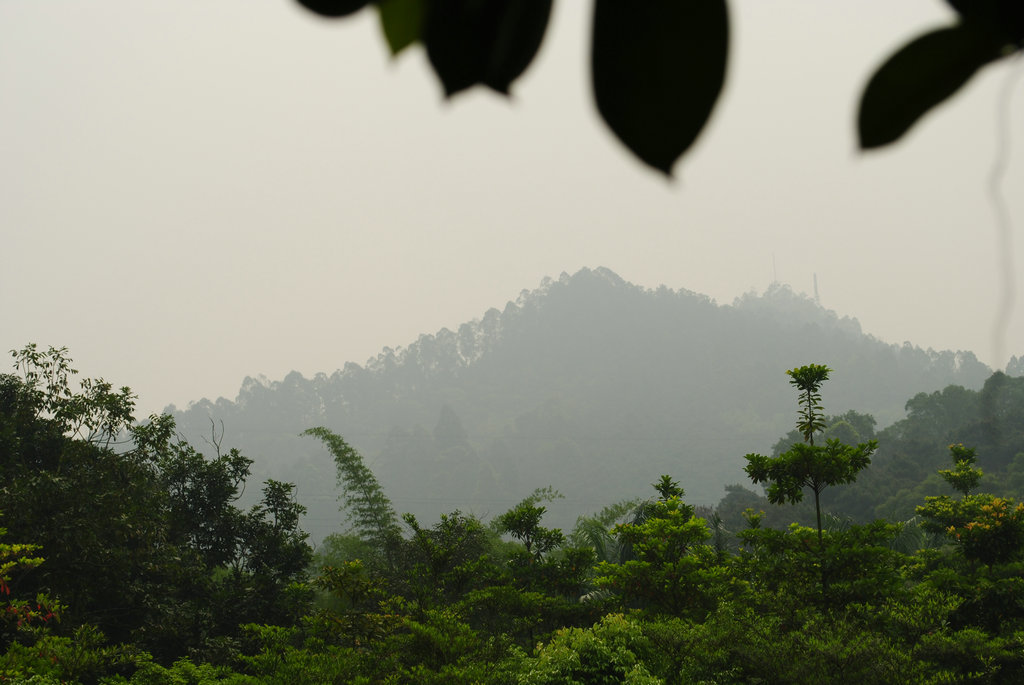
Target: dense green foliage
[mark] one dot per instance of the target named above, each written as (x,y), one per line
(139,532)
(133,565)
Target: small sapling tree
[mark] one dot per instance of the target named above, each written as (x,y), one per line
(806,465)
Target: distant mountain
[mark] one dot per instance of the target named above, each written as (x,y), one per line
(589,384)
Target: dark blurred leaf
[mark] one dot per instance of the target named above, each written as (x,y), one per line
(334,8)
(973,8)
(919,76)
(658,68)
(401,21)
(483,41)
(1004,17)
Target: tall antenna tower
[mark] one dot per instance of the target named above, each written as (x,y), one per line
(817,300)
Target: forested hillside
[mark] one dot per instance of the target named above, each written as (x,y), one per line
(581,384)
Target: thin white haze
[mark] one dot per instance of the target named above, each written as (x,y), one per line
(200,190)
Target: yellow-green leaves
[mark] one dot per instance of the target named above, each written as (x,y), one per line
(658,68)
(401,21)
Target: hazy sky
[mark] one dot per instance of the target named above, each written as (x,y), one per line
(193,191)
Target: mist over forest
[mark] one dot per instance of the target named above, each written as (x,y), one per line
(587,384)
(480,493)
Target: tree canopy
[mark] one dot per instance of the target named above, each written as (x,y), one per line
(127,561)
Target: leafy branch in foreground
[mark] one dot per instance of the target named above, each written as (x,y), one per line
(658,67)
(932,67)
